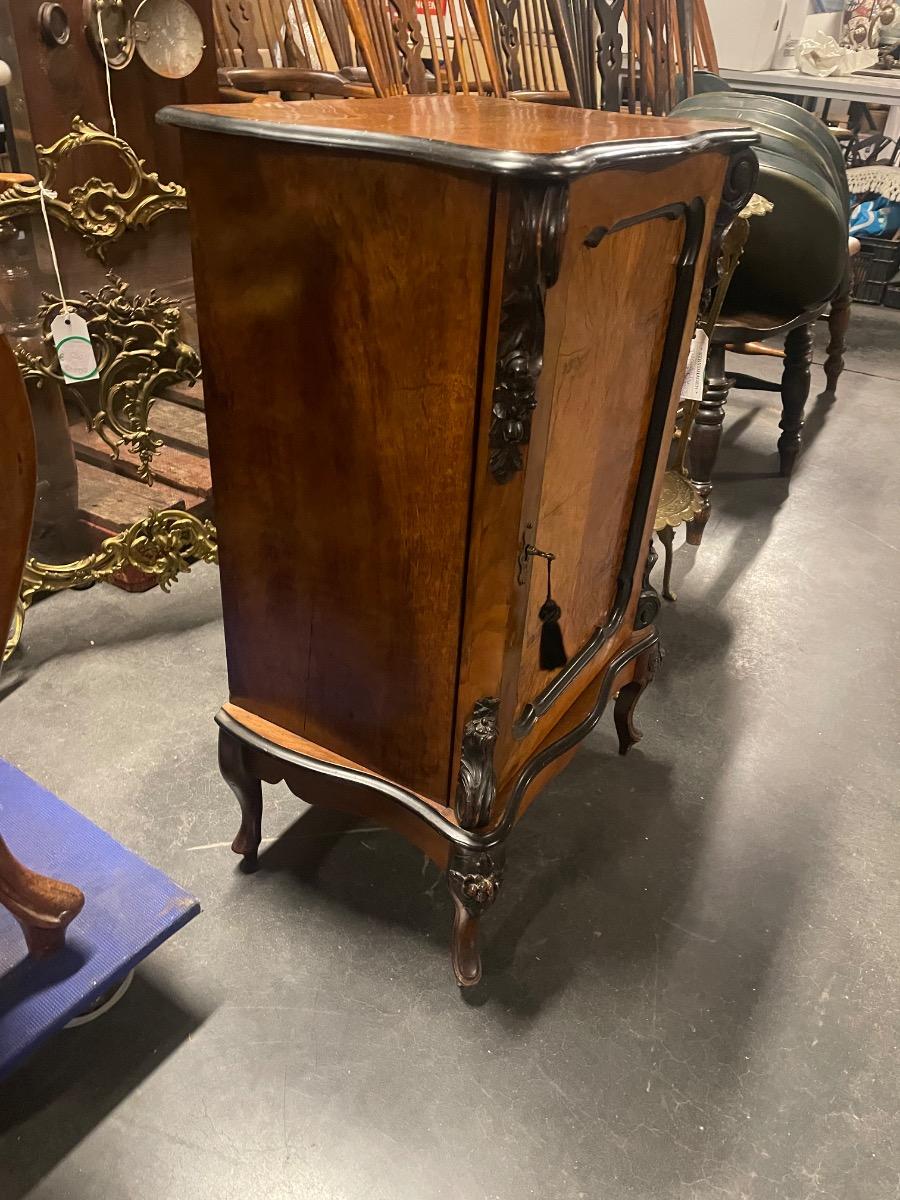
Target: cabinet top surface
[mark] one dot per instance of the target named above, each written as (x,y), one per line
(505,137)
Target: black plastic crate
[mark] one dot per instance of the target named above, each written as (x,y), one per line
(875,265)
(892,295)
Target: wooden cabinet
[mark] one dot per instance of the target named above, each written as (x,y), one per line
(439,333)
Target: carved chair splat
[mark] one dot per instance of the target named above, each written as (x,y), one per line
(446,52)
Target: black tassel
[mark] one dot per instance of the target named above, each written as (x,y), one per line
(553,651)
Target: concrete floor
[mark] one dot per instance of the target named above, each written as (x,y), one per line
(691,977)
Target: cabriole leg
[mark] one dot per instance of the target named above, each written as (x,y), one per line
(706,437)
(626,700)
(248,789)
(474,880)
(794,394)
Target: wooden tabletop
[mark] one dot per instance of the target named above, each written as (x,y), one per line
(500,136)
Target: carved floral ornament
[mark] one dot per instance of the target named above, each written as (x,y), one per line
(537,226)
(475,878)
(476,785)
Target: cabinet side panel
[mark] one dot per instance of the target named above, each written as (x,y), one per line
(340,310)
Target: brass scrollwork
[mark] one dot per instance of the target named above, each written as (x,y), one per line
(163,544)
(99,211)
(139,354)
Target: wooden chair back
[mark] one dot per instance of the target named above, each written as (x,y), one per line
(571,51)
(705,57)
(266,34)
(532,40)
(448,48)
(650,46)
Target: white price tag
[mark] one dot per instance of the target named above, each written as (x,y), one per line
(692,388)
(73,347)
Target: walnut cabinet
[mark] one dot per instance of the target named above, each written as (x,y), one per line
(442,339)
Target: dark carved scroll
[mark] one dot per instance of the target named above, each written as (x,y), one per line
(537,225)
(477,786)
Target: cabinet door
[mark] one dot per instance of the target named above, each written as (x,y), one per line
(617,324)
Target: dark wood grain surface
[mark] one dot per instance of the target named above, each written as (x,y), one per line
(340,320)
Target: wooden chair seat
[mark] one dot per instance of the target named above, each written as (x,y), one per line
(295,48)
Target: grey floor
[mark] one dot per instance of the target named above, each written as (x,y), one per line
(691,978)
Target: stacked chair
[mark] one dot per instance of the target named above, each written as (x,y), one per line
(794,266)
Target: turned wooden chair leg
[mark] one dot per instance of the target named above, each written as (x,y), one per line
(627,699)
(44,907)
(794,394)
(667,537)
(248,789)
(474,879)
(706,436)
(838,324)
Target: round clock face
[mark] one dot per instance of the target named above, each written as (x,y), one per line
(170,41)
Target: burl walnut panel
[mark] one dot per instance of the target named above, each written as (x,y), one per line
(341,342)
(606,325)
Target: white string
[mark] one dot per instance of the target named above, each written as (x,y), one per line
(42,192)
(112,111)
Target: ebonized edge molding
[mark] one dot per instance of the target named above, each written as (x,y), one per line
(639,153)
(461,838)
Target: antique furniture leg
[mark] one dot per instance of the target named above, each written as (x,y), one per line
(248,789)
(474,879)
(838,323)
(794,393)
(667,537)
(626,700)
(706,436)
(44,907)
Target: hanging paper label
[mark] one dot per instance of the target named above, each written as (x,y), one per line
(73,347)
(692,388)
